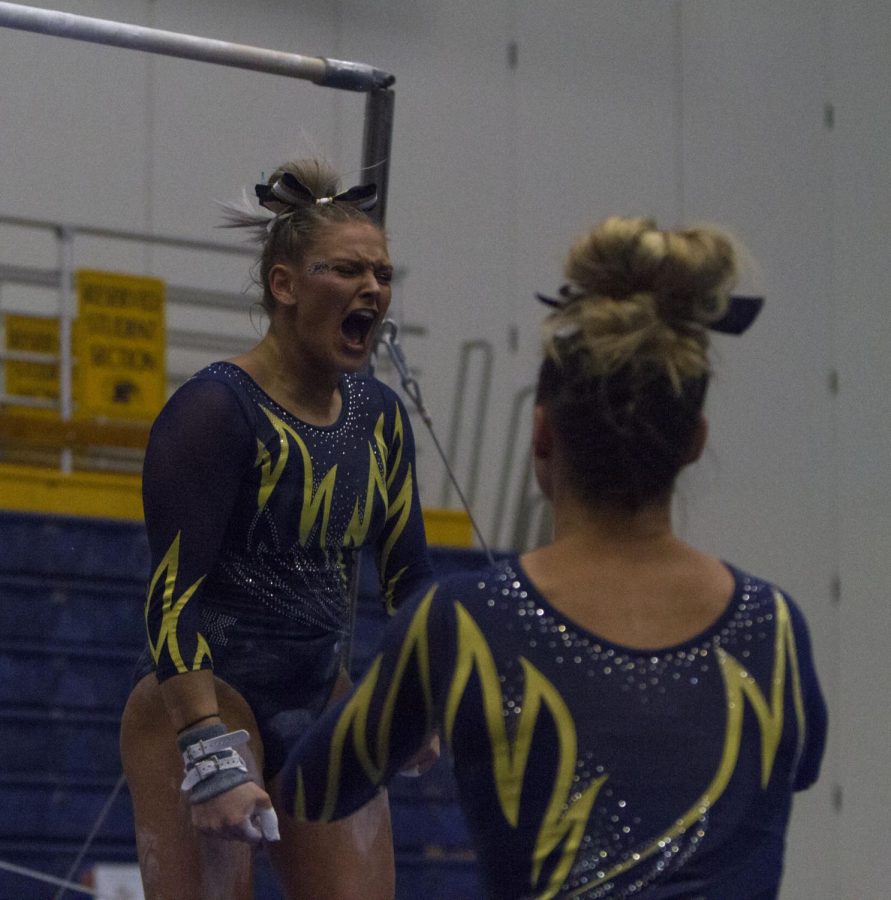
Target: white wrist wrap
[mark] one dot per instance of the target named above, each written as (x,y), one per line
(206,768)
(212,764)
(200,749)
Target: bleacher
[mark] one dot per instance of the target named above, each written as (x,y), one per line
(71,599)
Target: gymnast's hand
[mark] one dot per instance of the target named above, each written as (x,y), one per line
(243,813)
(226,801)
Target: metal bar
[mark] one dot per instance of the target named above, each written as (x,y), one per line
(21,400)
(350,76)
(124,235)
(377,138)
(176,295)
(47,879)
(456,428)
(66,351)
(29,356)
(521,400)
(103,813)
(377,142)
(33,277)
(185,339)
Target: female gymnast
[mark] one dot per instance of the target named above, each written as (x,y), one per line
(627,715)
(263,478)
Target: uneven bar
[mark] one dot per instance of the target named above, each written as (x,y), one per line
(335,73)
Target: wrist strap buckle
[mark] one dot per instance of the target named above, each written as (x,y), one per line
(200,749)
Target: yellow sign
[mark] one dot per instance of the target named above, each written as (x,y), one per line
(32,334)
(120,346)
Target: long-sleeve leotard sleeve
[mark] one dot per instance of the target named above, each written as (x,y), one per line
(816,718)
(200,448)
(402,559)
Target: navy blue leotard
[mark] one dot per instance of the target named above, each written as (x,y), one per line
(255,519)
(586,769)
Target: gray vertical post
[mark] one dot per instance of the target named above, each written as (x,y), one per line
(65,237)
(376,144)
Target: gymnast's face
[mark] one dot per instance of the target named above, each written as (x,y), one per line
(337,295)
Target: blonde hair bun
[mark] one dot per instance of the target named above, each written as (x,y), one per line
(642,297)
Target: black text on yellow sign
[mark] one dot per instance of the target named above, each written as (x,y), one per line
(120,346)
(32,334)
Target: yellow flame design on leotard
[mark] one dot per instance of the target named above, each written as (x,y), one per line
(739,686)
(568,810)
(357,530)
(171,608)
(383,467)
(315,502)
(398,510)
(354,716)
(563,825)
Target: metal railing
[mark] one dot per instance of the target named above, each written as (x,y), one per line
(469,424)
(62,278)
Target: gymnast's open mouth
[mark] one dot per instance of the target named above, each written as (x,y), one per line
(357,326)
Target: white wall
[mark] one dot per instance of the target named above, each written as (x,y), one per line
(689,110)
(861,221)
(757,158)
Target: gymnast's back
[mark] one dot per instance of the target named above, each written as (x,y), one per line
(627,715)
(586,768)
(589,769)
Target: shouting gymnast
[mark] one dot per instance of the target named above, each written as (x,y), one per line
(264,476)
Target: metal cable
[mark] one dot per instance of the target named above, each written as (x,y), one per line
(48,879)
(387,336)
(106,808)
